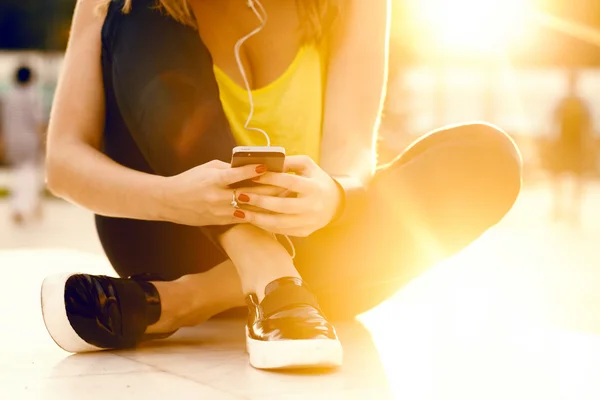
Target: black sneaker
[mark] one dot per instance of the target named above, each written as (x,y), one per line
(288,329)
(86,313)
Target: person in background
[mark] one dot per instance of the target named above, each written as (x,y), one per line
(22,119)
(570,153)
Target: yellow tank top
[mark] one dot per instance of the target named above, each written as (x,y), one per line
(289,110)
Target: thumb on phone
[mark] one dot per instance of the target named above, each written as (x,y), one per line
(234,175)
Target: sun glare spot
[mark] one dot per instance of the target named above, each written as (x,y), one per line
(473,25)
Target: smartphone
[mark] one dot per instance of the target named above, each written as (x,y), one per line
(273,157)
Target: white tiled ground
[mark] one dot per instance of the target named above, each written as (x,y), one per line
(515,317)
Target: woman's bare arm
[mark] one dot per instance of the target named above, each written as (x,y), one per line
(356,88)
(76,168)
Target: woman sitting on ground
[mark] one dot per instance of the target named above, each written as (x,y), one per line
(150,104)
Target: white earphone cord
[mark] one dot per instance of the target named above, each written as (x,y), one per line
(261,14)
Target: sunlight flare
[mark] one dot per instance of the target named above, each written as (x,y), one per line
(474,25)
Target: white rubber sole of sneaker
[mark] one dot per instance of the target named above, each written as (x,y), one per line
(55,316)
(294,354)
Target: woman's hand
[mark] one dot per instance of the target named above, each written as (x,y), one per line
(314,206)
(201,196)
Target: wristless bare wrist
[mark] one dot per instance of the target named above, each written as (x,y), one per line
(163,201)
(353,198)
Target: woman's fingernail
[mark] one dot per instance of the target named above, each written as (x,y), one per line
(243,198)
(239,214)
(261,169)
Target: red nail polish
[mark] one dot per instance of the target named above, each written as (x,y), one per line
(243,198)
(239,214)
(261,169)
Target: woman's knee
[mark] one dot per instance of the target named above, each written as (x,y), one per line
(493,139)
(459,177)
(477,133)
(491,165)
(502,161)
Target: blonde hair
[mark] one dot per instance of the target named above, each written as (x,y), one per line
(316,15)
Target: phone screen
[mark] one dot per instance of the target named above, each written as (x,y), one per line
(274,161)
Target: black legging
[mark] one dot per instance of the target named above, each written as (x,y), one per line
(164,117)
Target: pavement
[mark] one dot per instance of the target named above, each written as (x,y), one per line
(515,316)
